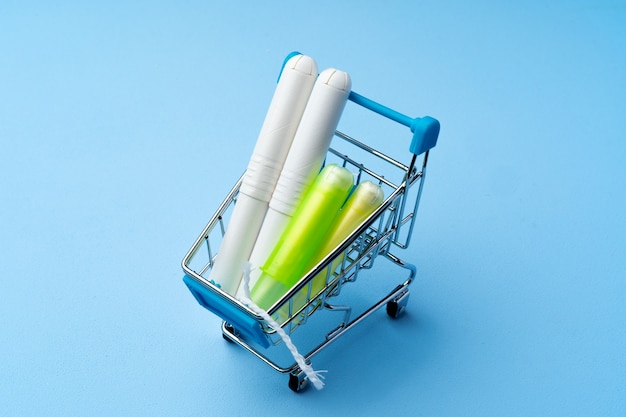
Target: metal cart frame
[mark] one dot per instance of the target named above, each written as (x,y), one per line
(390,226)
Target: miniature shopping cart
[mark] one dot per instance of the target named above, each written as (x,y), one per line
(386,230)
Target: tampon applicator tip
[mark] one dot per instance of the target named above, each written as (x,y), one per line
(337,79)
(302,63)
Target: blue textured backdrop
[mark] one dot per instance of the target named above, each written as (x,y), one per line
(123,125)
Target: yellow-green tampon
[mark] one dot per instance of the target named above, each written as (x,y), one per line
(306,232)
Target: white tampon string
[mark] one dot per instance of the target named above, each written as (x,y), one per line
(314,376)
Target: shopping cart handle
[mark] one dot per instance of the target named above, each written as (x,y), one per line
(425,129)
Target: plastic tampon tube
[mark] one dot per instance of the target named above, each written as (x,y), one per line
(304,234)
(305,158)
(363,201)
(270,152)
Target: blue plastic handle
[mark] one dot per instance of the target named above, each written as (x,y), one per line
(425,129)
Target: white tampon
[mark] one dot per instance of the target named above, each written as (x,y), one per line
(304,161)
(275,138)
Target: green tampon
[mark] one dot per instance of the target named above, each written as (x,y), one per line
(303,236)
(363,201)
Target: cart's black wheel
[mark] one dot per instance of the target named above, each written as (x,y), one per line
(396,307)
(230,329)
(298,382)
(393,309)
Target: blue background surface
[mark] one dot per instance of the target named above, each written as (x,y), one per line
(122,126)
